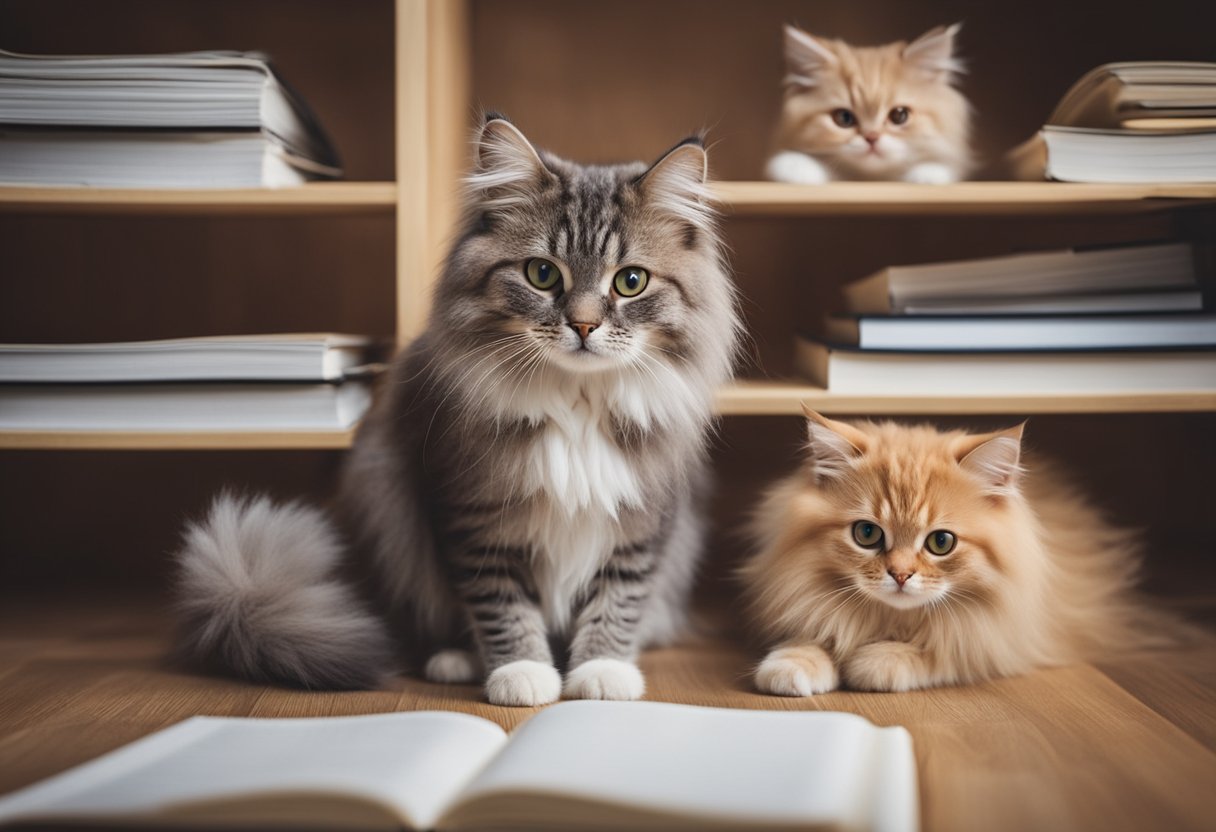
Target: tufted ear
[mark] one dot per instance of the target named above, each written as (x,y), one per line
(805,58)
(831,445)
(933,52)
(508,166)
(676,183)
(993,458)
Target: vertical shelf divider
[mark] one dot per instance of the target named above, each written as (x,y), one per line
(433,117)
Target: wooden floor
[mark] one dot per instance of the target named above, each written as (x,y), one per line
(1130,745)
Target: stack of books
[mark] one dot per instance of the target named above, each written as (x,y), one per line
(190,120)
(244,383)
(1148,121)
(1113,320)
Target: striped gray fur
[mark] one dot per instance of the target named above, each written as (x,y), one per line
(514,484)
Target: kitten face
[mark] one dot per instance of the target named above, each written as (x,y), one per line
(586,269)
(874,112)
(908,517)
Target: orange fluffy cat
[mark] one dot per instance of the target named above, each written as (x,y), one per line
(880,112)
(904,557)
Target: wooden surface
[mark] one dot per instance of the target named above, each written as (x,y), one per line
(313,198)
(744,199)
(1128,745)
(994,199)
(744,398)
(776,397)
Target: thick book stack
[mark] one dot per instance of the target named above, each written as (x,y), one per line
(245,383)
(190,120)
(1149,121)
(1106,321)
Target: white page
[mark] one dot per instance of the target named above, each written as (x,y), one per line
(412,762)
(758,768)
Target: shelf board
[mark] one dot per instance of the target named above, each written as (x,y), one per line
(174,441)
(775,199)
(742,199)
(774,398)
(742,398)
(313,198)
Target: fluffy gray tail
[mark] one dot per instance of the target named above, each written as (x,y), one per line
(259,596)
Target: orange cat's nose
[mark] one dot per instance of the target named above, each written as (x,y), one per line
(901,578)
(872,138)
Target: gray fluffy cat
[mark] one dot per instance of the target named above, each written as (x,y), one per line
(534,463)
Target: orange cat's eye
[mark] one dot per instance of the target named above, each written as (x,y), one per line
(941,542)
(843,117)
(867,535)
(899,115)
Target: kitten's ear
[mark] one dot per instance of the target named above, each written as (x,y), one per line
(805,58)
(831,445)
(508,166)
(993,458)
(676,184)
(933,52)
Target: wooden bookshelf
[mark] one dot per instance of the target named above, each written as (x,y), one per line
(763,397)
(314,198)
(994,199)
(740,199)
(780,397)
(398,84)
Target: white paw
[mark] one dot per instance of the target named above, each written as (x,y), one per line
(930,173)
(886,666)
(605,679)
(796,168)
(452,667)
(524,683)
(797,671)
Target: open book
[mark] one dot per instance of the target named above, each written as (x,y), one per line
(576,765)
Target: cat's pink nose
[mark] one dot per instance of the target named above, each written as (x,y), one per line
(901,578)
(583,330)
(872,138)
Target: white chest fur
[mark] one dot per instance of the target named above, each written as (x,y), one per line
(583,480)
(577,464)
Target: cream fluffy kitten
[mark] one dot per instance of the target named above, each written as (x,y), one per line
(904,557)
(880,113)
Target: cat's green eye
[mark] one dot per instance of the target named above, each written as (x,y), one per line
(843,117)
(542,273)
(898,115)
(867,535)
(940,542)
(630,281)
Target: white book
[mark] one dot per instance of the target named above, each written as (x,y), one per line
(146,159)
(196,92)
(1082,154)
(1178,300)
(248,406)
(1044,332)
(573,766)
(854,371)
(1032,275)
(1112,94)
(287,357)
